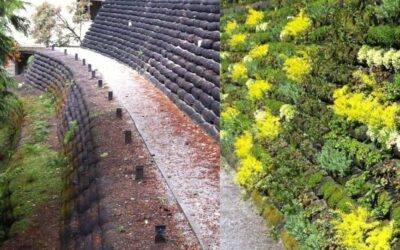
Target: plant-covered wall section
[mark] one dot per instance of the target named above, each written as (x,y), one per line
(310,117)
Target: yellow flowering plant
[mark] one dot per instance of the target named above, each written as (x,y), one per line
(257,89)
(297,68)
(357,230)
(366,110)
(297,26)
(239,72)
(254,17)
(248,169)
(231,26)
(237,41)
(243,145)
(267,126)
(259,52)
(229,113)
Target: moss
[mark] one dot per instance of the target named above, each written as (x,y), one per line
(272,215)
(328,188)
(384,35)
(289,242)
(33,175)
(315,179)
(337,195)
(345,204)
(258,199)
(395,215)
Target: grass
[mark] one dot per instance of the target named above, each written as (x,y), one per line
(33,175)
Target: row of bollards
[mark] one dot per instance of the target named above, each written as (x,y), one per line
(160,230)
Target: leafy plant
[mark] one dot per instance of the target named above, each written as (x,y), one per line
(334,160)
(50,26)
(69,135)
(305,232)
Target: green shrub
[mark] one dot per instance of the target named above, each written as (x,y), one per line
(334,160)
(384,35)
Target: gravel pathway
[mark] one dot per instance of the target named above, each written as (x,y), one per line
(187,157)
(241,226)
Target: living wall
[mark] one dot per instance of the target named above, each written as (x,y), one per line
(310,117)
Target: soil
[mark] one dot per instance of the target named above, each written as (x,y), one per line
(136,206)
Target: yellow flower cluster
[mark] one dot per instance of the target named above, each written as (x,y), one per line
(231,26)
(238,72)
(229,113)
(297,68)
(259,51)
(367,110)
(267,126)
(297,26)
(254,17)
(237,40)
(365,78)
(243,145)
(257,89)
(356,230)
(249,166)
(248,169)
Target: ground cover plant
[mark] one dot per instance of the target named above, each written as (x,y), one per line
(310,117)
(32,176)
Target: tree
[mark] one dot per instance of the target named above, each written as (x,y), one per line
(9,51)
(50,26)
(45,23)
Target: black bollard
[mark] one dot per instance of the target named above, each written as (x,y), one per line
(89,67)
(93,74)
(110,95)
(76,57)
(128,136)
(83,62)
(161,234)
(119,113)
(100,83)
(65,51)
(139,175)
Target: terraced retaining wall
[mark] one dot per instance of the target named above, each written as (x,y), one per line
(174,43)
(80,219)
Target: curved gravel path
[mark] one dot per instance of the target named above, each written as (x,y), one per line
(187,157)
